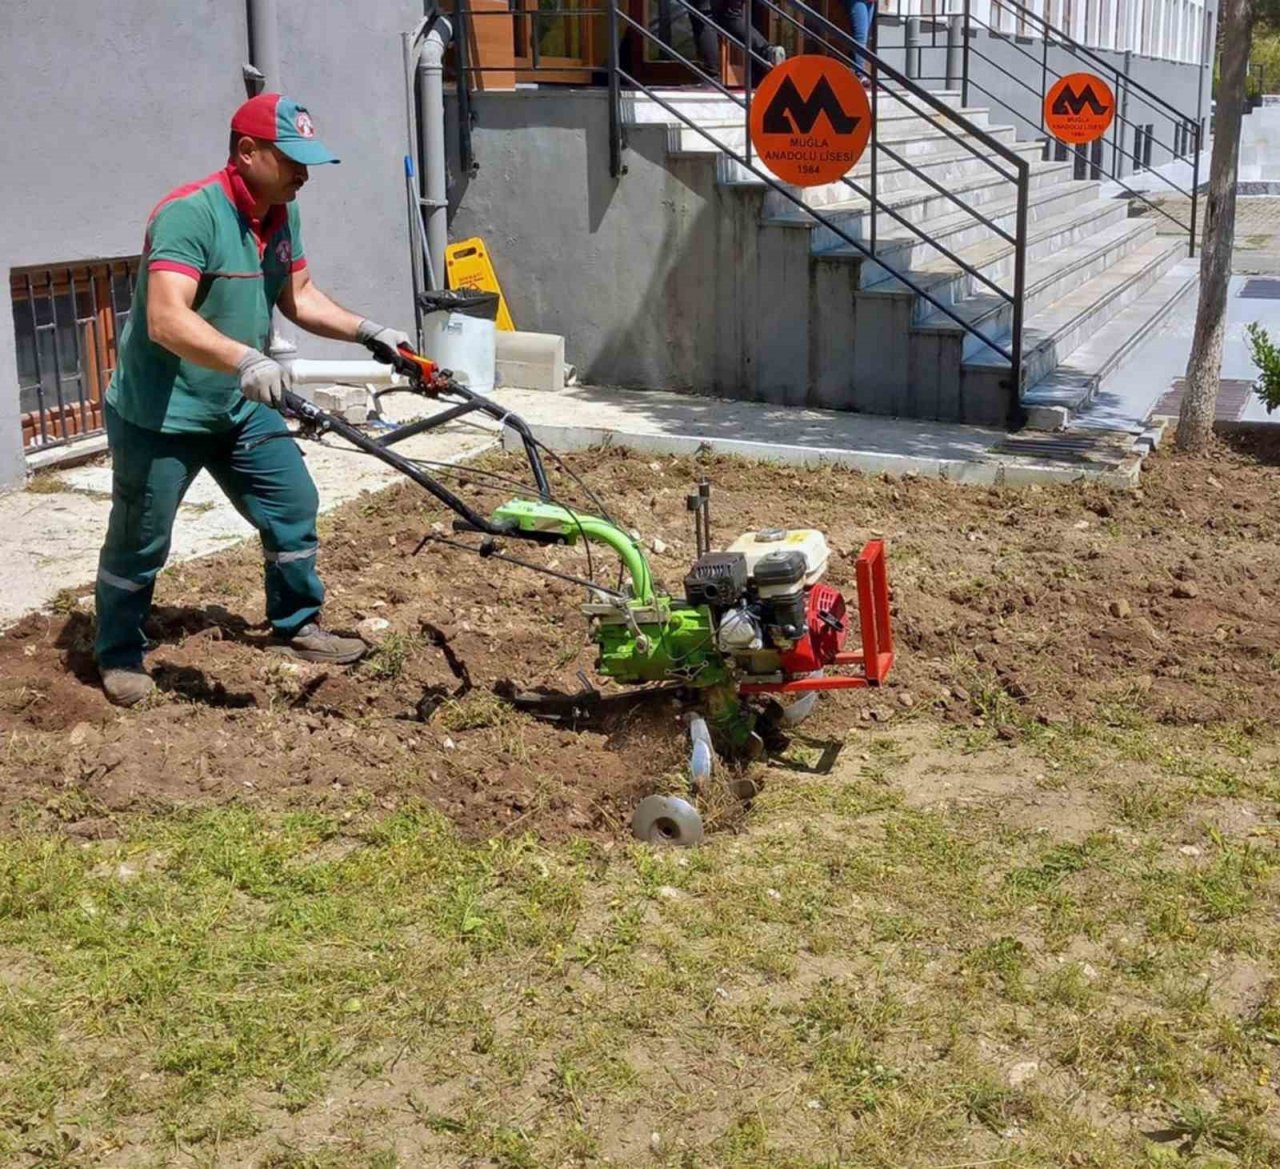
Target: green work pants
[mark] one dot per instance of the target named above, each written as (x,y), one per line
(151,471)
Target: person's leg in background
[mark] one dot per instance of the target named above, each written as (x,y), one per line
(150,473)
(261,470)
(705,37)
(732,17)
(862,16)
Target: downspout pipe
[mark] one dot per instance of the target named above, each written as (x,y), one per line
(264,41)
(435,169)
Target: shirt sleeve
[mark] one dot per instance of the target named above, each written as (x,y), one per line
(297,251)
(178,239)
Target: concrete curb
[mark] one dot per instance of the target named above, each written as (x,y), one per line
(983,472)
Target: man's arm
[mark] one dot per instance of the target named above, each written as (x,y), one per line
(175,325)
(309,308)
(305,305)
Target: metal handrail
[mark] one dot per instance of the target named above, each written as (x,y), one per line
(1052,35)
(1134,193)
(1084,51)
(1014,298)
(783,190)
(1183,119)
(972,138)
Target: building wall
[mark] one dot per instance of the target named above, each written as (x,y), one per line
(626,269)
(106,113)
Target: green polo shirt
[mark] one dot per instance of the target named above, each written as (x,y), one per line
(205,230)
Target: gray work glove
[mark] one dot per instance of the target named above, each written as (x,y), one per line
(367,331)
(263,380)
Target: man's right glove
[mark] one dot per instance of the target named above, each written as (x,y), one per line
(263,379)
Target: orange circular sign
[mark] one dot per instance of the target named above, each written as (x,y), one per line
(1079,108)
(810,120)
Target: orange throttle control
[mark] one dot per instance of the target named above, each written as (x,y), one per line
(425,367)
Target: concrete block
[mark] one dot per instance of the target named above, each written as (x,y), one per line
(350,403)
(530,361)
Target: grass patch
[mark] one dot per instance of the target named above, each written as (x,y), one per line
(925,986)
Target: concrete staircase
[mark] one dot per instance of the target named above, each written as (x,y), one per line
(844,332)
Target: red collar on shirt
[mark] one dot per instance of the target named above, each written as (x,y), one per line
(265,226)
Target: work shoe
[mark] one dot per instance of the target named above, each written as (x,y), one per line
(127,686)
(313,644)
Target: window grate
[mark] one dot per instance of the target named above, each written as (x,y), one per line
(1261,288)
(67,320)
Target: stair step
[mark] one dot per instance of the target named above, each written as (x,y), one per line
(706,103)
(916,145)
(1062,253)
(1054,400)
(920,202)
(1052,334)
(945,169)
(911,251)
(908,136)
(894,118)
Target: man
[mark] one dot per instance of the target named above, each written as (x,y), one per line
(194,389)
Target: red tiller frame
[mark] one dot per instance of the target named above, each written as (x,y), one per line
(876,655)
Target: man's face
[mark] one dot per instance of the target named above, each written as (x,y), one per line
(270,174)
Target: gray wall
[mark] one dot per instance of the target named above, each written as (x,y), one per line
(108,111)
(563,234)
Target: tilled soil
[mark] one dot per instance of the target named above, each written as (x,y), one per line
(1010,604)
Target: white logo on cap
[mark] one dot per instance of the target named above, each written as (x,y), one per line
(304,125)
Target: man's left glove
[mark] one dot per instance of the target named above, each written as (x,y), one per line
(367,331)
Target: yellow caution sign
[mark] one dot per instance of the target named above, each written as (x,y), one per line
(469,266)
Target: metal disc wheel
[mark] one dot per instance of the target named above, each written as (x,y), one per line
(667,820)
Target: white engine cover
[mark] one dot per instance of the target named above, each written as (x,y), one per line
(756,545)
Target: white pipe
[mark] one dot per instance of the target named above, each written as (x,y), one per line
(343,373)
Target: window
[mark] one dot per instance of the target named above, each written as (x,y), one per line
(67,321)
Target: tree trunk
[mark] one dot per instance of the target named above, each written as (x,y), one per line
(1204,367)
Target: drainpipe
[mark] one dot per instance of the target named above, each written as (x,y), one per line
(955,50)
(260,75)
(434,163)
(264,41)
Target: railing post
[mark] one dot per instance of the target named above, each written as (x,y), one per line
(1044,74)
(912,42)
(964,78)
(466,157)
(955,31)
(747,82)
(1205,56)
(616,169)
(1019,291)
(1117,134)
(875,133)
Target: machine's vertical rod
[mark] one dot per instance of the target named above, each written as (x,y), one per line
(691,504)
(704,498)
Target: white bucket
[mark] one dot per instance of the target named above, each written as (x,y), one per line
(464,344)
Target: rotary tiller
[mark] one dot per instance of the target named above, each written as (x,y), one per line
(755,621)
